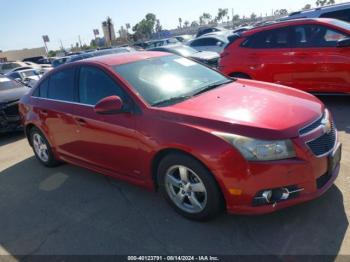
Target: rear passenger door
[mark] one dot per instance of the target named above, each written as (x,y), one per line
(55,104)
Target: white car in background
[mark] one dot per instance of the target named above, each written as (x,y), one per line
(28,77)
(213,42)
(10,66)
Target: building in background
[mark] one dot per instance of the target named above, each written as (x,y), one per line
(108,31)
(15,55)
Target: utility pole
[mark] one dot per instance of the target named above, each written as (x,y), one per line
(46,39)
(62,48)
(80,41)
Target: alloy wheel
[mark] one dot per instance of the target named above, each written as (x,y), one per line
(186,189)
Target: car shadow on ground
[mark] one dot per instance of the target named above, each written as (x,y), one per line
(69,210)
(340,108)
(10,137)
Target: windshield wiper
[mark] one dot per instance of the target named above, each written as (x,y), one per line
(171,100)
(212,86)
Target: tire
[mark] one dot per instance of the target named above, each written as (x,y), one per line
(240,75)
(196,195)
(42,148)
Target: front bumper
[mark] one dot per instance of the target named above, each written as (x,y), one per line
(312,176)
(9,117)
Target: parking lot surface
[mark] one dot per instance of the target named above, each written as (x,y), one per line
(70,210)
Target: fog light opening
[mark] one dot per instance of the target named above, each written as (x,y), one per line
(272,196)
(267,195)
(285,194)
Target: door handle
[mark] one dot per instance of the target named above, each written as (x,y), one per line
(80,121)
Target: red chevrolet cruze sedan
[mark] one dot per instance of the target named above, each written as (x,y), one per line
(206,141)
(308,54)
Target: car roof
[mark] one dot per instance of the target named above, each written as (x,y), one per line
(280,24)
(318,10)
(124,58)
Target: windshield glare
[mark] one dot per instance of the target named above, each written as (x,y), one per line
(167,77)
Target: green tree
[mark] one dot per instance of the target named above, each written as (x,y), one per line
(235,18)
(146,27)
(109,29)
(194,24)
(158,26)
(51,53)
(186,23)
(325,2)
(204,18)
(253,16)
(180,22)
(306,7)
(222,12)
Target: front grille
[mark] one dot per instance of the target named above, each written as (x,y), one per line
(311,127)
(324,143)
(10,108)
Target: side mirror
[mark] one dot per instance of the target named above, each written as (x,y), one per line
(344,42)
(109,105)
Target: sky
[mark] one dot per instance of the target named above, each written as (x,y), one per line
(23,22)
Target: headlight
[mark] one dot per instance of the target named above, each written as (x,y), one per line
(259,150)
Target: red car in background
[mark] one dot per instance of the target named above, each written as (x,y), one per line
(308,54)
(205,140)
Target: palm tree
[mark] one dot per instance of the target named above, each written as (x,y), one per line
(109,28)
(180,21)
(187,23)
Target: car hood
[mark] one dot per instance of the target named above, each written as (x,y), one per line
(205,55)
(250,108)
(13,94)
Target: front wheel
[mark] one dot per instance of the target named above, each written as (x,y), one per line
(189,187)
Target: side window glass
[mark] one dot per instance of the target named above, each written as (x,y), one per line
(94,85)
(210,41)
(315,36)
(196,43)
(61,85)
(42,89)
(277,38)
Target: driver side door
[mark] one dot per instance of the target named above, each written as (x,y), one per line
(104,141)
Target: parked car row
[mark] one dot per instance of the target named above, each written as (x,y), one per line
(84,55)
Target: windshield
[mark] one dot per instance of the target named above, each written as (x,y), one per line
(342,24)
(7,83)
(29,73)
(168,77)
(186,50)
